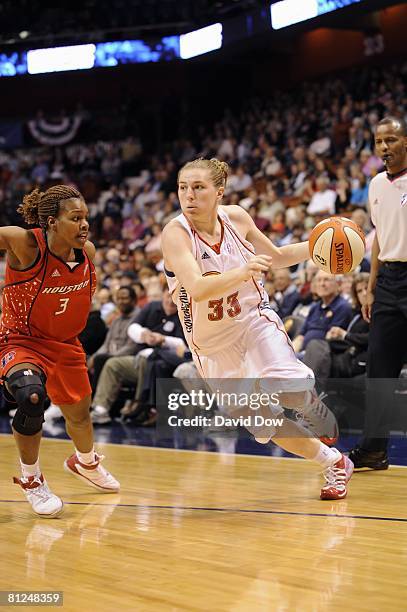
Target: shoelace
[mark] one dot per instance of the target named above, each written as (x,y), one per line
(318,404)
(98,468)
(335,476)
(42,491)
(317,407)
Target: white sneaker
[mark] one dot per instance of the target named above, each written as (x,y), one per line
(319,419)
(52,412)
(93,474)
(100,415)
(42,500)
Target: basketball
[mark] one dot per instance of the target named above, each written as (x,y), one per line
(337,245)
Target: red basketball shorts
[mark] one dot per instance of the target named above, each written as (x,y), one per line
(64,365)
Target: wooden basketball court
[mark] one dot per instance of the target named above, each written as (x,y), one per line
(205,531)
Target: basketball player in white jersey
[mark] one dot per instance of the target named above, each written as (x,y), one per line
(214,259)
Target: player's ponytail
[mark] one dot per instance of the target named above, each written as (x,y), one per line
(29,207)
(37,206)
(219,170)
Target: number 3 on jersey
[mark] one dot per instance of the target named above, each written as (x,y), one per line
(217,308)
(63,305)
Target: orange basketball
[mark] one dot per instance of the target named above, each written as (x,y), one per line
(337,245)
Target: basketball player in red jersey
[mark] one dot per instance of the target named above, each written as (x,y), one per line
(50,280)
(214,259)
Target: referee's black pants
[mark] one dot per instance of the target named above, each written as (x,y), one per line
(387,353)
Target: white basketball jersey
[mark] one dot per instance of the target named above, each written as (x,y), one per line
(213,324)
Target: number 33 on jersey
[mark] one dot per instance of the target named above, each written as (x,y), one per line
(209,326)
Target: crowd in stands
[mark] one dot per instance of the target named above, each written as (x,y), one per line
(294,159)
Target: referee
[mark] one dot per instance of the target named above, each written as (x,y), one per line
(386,305)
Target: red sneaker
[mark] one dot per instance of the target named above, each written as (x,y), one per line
(337,477)
(93,474)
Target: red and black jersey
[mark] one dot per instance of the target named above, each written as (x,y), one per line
(51,299)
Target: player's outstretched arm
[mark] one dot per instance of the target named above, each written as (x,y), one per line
(18,241)
(179,259)
(293,254)
(283,257)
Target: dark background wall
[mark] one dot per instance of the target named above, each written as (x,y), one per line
(167,92)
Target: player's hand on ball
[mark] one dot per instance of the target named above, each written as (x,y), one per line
(257,266)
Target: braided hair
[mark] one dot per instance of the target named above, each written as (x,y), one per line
(218,169)
(37,206)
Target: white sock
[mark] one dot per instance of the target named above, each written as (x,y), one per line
(31,470)
(86,458)
(326,457)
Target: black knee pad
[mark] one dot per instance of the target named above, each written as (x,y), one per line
(29,417)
